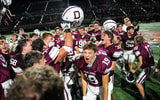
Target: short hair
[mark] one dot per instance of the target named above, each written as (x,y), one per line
(46,34)
(15,34)
(38,44)
(90,25)
(21,29)
(21,44)
(32,34)
(139,39)
(81,27)
(130,27)
(90,45)
(25,35)
(57,28)
(43,81)
(32,57)
(96,22)
(126,19)
(109,33)
(2,38)
(118,24)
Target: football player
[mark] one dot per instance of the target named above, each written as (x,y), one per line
(81,38)
(117,32)
(94,73)
(72,16)
(145,60)
(96,32)
(17,61)
(127,39)
(34,58)
(111,50)
(5,69)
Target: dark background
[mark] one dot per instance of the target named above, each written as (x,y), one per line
(31,14)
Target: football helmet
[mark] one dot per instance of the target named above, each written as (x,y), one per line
(73,14)
(130,77)
(110,25)
(37,31)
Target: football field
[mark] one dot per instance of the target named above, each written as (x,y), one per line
(128,91)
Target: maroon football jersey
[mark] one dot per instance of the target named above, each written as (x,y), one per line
(145,51)
(60,44)
(56,39)
(80,41)
(95,35)
(113,51)
(93,73)
(118,35)
(128,42)
(4,74)
(17,63)
(50,54)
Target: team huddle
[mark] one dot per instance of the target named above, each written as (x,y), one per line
(72,63)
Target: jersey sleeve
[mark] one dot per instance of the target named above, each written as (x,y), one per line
(14,63)
(117,53)
(106,65)
(79,62)
(51,54)
(136,51)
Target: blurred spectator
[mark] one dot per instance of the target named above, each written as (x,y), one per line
(21,32)
(127,22)
(13,42)
(33,36)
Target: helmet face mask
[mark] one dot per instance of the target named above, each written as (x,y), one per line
(74,15)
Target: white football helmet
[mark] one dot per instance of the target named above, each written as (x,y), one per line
(109,25)
(73,14)
(37,31)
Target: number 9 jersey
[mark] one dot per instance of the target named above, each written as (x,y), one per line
(93,72)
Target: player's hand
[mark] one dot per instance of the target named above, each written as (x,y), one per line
(132,70)
(66,25)
(84,98)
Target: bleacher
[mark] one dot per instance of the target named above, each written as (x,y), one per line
(46,13)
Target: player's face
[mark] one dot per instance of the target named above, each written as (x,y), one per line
(81,32)
(28,46)
(105,39)
(119,28)
(4,47)
(34,37)
(48,40)
(58,31)
(131,31)
(96,26)
(89,56)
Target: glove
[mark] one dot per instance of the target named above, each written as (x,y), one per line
(84,98)
(66,26)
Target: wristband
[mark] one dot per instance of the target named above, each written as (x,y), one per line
(67,30)
(84,98)
(156,70)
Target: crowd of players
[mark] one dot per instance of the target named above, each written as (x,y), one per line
(83,61)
